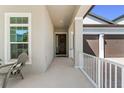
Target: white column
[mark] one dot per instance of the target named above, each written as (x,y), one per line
(78,42)
(101,45)
(101,55)
(71,41)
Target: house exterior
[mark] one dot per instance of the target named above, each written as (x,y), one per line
(103,38)
(103,51)
(89,42)
(43,33)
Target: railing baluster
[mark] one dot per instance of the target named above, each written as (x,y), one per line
(115,76)
(110,79)
(122,78)
(87,64)
(93,70)
(105,74)
(96,71)
(99,71)
(90,68)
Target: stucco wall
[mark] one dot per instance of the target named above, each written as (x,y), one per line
(114,46)
(91,44)
(42,35)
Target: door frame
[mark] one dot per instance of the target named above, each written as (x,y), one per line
(66,33)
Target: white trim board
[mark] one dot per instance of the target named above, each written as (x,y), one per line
(104,31)
(61,32)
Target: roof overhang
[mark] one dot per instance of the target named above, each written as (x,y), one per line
(91,29)
(83,10)
(103,25)
(100,18)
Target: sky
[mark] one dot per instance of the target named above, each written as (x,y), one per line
(109,12)
(21,32)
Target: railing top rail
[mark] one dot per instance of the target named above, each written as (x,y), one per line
(91,56)
(105,60)
(115,63)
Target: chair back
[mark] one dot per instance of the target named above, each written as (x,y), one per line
(23,57)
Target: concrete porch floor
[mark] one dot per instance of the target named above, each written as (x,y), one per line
(61,74)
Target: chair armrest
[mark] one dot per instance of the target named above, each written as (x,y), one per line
(6,65)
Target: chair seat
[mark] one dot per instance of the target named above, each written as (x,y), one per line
(4,70)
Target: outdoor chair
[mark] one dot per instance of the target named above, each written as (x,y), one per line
(14,69)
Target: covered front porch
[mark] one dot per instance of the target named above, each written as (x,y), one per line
(60,74)
(34,32)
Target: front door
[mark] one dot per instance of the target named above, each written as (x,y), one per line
(60,44)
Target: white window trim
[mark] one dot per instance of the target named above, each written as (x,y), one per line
(7,39)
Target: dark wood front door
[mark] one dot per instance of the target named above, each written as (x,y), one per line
(61,44)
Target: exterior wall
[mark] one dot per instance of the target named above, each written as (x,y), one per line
(91,20)
(42,36)
(91,45)
(114,46)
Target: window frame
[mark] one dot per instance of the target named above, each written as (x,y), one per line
(7,55)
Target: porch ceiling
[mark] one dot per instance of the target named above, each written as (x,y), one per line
(61,15)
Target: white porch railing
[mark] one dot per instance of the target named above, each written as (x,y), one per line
(102,73)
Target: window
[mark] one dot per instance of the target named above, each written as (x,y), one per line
(17,35)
